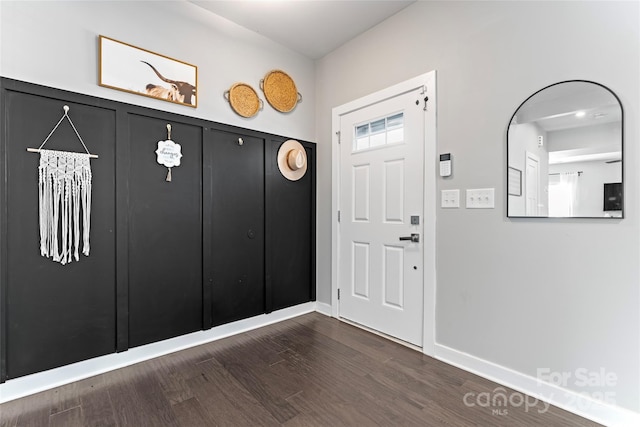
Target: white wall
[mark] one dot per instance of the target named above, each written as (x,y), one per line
(55,43)
(521,293)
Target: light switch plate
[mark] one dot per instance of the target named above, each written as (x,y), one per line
(480,198)
(450,198)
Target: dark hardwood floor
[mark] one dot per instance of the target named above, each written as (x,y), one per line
(308,371)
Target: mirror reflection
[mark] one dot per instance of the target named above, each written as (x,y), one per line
(564,147)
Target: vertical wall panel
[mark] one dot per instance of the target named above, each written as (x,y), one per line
(165,233)
(234,245)
(57,314)
(290,221)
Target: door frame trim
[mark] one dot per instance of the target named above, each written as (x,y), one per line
(427,80)
(531,155)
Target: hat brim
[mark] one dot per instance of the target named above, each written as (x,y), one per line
(283,165)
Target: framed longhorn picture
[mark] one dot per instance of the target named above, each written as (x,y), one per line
(132,69)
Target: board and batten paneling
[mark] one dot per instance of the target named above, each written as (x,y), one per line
(228,238)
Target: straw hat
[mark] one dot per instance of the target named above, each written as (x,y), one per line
(292,160)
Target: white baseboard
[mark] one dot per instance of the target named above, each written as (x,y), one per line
(35,383)
(323,308)
(563,398)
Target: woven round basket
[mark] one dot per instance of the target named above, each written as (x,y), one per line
(280,91)
(243,99)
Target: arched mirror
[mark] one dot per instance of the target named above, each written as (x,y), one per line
(564,153)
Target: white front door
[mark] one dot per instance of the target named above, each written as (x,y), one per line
(380,269)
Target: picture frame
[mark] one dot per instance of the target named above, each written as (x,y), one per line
(514,181)
(140,71)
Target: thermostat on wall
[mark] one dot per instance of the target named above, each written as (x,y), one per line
(445,164)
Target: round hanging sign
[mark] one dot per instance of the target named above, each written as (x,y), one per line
(169,154)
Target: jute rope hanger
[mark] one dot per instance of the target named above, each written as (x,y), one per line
(65,115)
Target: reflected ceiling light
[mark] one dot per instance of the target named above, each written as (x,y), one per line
(580,114)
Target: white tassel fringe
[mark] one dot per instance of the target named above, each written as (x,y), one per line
(64,190)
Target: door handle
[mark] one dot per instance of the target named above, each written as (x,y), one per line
(415,237)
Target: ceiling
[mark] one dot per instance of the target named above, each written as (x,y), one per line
(571,106)
(310,27)
(557,106)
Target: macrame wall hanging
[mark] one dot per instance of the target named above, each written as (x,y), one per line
(64,195)
(169,153)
